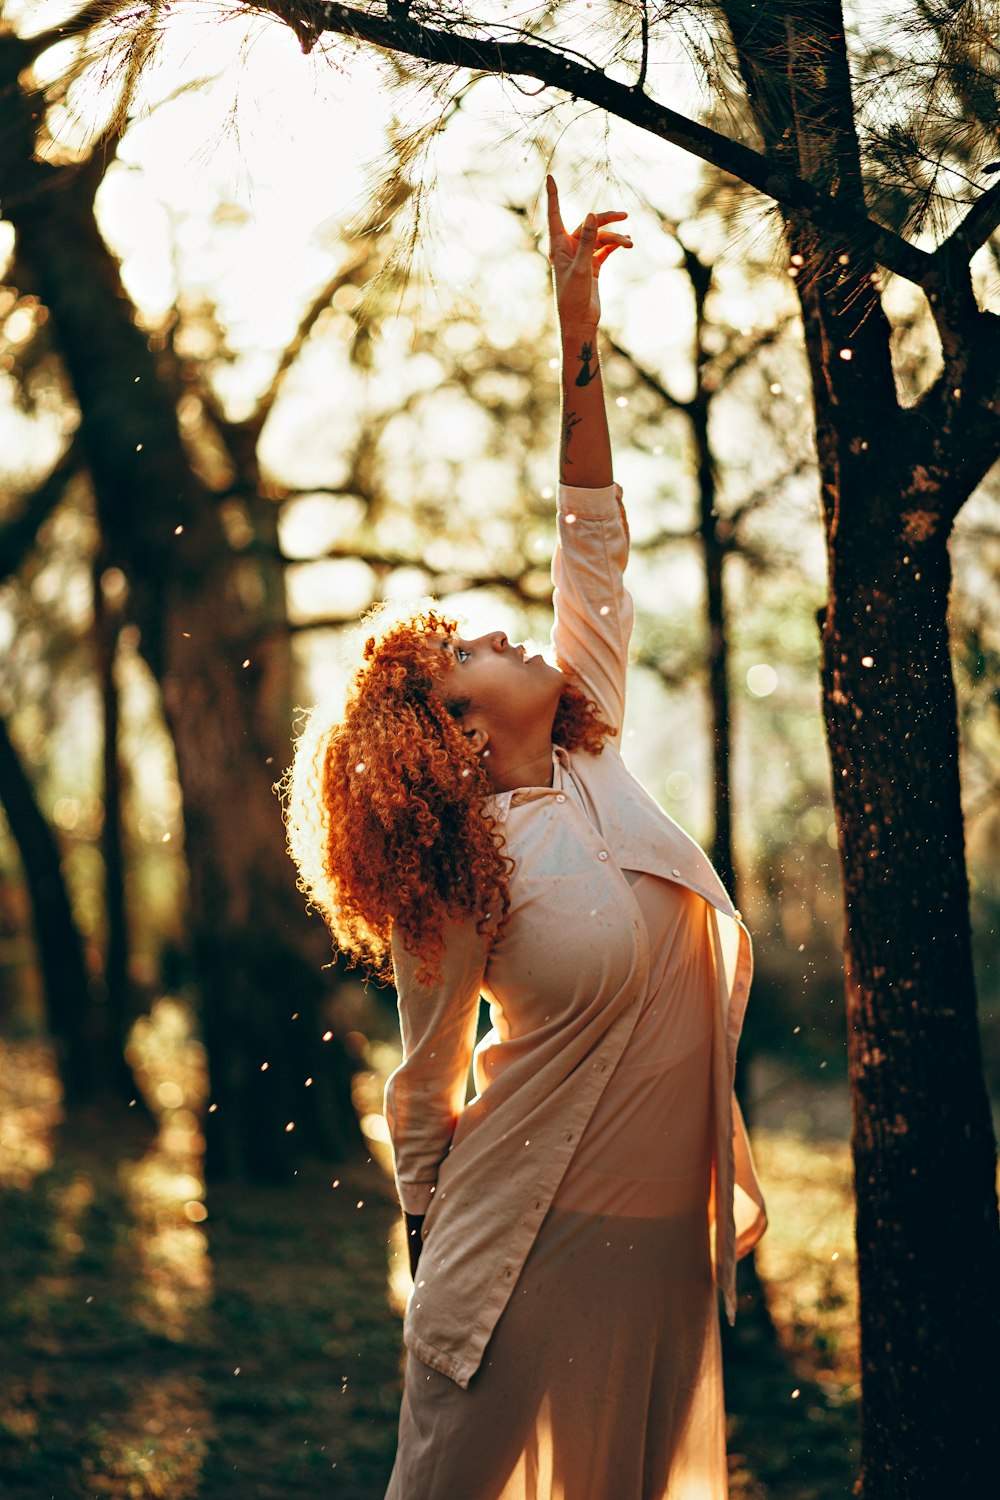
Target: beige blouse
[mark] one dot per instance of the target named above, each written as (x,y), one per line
(564,981)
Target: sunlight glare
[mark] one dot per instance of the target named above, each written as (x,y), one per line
(165,1189)
(230,178)
(762,680)
(310,525)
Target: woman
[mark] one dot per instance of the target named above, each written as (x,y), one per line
(481,834)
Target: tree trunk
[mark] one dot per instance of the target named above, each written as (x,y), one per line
(713,558)
(118,1006)
(57,938)
(924,1153)
(713,555)
(754,1310)
(259,956)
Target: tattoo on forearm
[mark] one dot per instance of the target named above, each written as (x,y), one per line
(570,420)
(586,374)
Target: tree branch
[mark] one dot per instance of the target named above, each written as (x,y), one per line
(979,225)
(723,370)
(676,673)
(663,538)
(766,492)
(389,562)
(17,536)
(397,32)
(648,379)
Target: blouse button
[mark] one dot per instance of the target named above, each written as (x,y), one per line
(675,871)
(603,854)
(560,797)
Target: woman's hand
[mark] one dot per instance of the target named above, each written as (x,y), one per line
(414,1239)
(577,258)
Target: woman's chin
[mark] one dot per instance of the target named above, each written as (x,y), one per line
(538,660)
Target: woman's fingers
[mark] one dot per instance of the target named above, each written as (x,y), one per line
(612,216)
(586,240)
(603,245)
(589,238)
(606,237)
(600,256)
(556,226)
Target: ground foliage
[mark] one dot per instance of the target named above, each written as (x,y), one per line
(161,1347)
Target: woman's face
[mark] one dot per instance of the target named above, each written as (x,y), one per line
(508,692)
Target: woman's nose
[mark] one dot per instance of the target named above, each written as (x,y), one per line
(498,640)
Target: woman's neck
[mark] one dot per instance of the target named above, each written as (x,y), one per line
(513,770)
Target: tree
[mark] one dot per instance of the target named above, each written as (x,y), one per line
(58,943)
(118,1009)
(717,534)
(852,193)
(57,938)
(259,958)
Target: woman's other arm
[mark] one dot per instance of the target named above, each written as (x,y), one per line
(426,1093)
(414,1224)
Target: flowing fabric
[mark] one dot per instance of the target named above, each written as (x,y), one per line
(603,1377)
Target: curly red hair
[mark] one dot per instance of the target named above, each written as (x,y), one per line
(386,810)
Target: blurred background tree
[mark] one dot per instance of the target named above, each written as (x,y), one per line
(204,614)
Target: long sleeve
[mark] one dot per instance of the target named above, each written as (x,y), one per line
(426,1093)
(593,609)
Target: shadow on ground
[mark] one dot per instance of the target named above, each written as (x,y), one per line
(160,1344)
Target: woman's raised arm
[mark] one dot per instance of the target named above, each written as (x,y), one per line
(585,448)
(593,611)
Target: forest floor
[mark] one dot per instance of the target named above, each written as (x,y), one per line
(160,1345)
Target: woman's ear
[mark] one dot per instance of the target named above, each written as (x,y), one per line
(477,740)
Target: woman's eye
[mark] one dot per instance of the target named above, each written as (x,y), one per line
(461,654)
